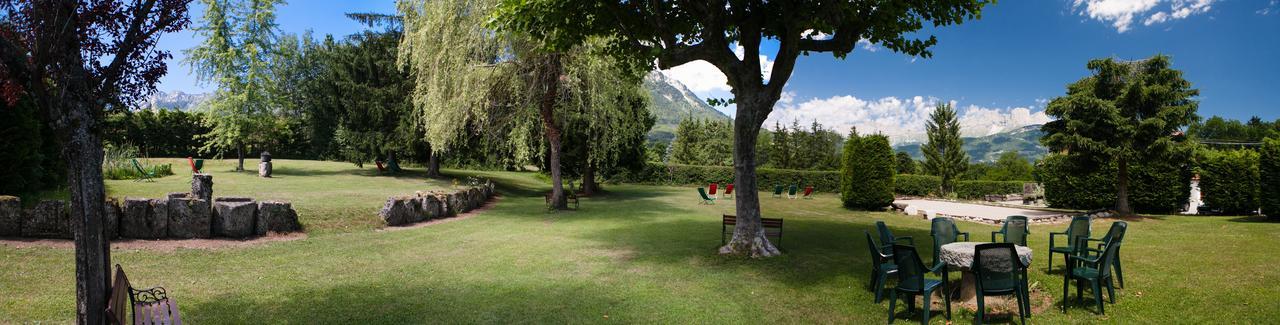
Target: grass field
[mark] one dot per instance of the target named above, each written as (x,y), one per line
(640,254)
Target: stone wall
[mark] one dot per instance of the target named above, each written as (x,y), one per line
(424,206)
(177,215)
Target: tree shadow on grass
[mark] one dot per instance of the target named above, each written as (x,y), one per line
(1255,219)
(413,302)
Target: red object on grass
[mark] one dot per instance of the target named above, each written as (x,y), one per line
(713,188)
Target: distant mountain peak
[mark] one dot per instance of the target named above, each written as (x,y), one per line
(671,102)
(177,100)
(1025,140)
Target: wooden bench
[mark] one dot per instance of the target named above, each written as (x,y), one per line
(150,306)
(772,228)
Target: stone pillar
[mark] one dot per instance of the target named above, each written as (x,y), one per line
(202,187)
(10,216)
(264,167)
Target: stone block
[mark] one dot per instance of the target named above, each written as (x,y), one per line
(189,218)
(234,218)
(10,216)
(400,210)
(276,216)
(48,219)
(112,215)
(202,187)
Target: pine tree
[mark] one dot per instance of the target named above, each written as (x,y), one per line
(943,155)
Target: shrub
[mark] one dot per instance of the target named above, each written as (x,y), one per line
(676,174)
(1229,180)
(917,185)
(1269,177)
(980,189)
(1155,185)
(117,163)
(867,173)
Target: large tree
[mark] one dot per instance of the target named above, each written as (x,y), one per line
(238,55)
(678,32)
(1126,111)
(943,153)
(77,60)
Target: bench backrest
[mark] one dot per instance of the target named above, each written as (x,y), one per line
(118,301)
(765,222)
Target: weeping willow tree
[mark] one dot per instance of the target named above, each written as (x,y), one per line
(472,80)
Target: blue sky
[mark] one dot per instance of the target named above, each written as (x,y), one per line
(998,70)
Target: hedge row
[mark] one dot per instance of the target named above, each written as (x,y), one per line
(980,189)
(1155,185)
(1229,181)
(1269,174)
(917,185)
(766,178)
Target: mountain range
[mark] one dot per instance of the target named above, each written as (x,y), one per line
(175,100)
(1024,140)
(672,102)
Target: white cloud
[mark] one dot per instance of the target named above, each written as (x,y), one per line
(1270,8)
(1122,13)
(705,80)
(903,120)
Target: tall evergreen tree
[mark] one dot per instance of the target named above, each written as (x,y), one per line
(1125,111)
(906,165)
(943,155)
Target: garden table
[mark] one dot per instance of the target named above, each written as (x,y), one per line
(959,256)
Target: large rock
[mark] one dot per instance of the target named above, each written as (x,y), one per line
(276,216)
(234,217)
(189,218)
(432,208)
(401,210)
(139,219)
(178,195)
(264,169)
(477,197)
(111,214)
(48,219)
(10,216)
(202,186)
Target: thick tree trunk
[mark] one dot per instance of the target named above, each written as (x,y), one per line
(748,234)
(240,157)
(589,185)
(1122,188)
(433,165)
(550,79)
(82,151)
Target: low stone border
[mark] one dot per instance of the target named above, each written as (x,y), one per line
(424,206)
(177,216)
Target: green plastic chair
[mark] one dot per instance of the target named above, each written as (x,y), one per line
(912,282)
(1115,233)
(1014,230)
(1079,228)
(887,240)
(705,199)
(143,174)
(777,191)
(1096,270)
(944,231)
(791,191)
(998,271)
(881,266)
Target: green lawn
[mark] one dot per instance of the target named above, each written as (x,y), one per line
(641,254)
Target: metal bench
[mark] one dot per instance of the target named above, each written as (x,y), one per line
(772,228)
(150,306)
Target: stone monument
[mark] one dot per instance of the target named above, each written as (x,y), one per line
(264,167)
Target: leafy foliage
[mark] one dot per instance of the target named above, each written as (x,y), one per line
(158,133)
(815,147)
(1269,177)
(1159,185)
(1127,111)
(916,185)
(29,159)
(703,142)
(677,174)
(943,155)
(1218,129)
(1229,180)
(980,189)
(906,165)
(866,178)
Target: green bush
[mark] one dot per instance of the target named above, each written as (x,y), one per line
(675,174)
(1229,180)
(980,189)
(1269,177)
(1155,185)
(867,173)
(117,163)
(917,185)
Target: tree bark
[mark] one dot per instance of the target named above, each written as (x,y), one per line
(240,156)
(433,164)
(550,80)
(589,186)
(1122,188)
(748,235)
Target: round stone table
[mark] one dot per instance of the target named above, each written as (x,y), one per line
(959,256)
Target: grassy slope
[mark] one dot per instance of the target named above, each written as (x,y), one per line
(640,255)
